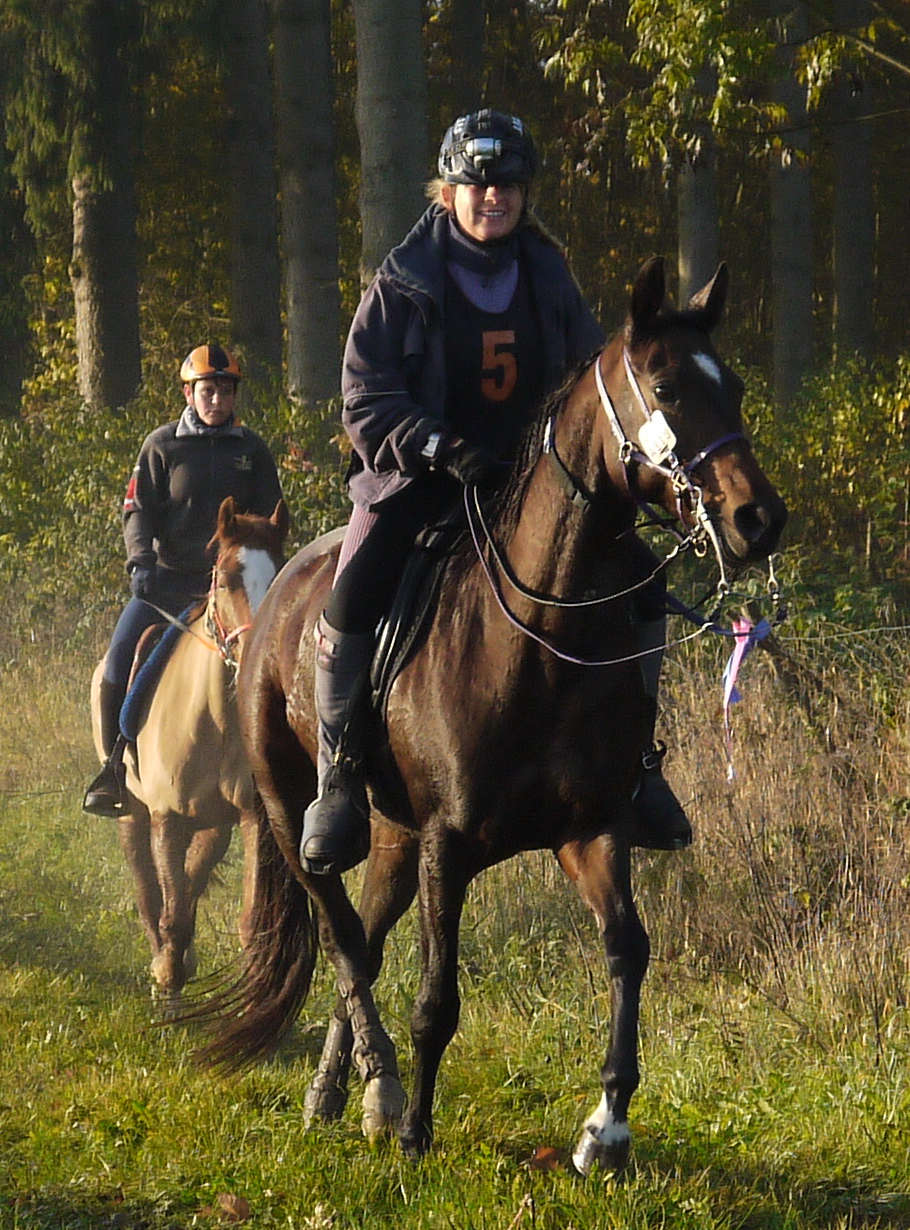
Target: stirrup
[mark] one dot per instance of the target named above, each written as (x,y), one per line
(336,826)
(105,795)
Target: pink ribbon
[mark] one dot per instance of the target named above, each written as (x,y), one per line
(747,637)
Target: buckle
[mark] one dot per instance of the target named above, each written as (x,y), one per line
(653,757)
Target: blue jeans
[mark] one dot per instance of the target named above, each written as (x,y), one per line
(172,592)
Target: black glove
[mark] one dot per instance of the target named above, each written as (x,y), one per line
(142,582)
(469,465)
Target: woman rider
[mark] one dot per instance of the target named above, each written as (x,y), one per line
(184,471)
(465,328)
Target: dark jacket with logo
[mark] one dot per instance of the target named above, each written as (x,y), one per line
(172,501)
(394,377)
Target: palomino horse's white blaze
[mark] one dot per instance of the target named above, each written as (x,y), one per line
(258,573)
(602,1138)
(708,365)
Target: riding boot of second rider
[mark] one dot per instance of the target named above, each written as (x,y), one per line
(336,829)
(661,822)
(106,795)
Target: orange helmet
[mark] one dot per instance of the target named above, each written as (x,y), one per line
(207,361)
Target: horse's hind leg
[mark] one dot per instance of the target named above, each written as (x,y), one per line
(600,870)
(388,889)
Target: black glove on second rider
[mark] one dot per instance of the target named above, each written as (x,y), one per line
(467,463)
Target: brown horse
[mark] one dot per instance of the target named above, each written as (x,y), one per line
(187,779)
(519,724)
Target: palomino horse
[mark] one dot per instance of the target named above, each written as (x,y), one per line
(519,723)
(188,780)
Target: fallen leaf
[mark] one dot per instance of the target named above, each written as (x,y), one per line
(545,1158)
(233,1208)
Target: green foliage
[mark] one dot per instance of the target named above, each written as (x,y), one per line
(63,471)
(842,454)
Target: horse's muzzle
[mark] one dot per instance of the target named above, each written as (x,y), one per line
(756,530)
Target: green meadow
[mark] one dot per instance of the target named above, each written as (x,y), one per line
(775,1031)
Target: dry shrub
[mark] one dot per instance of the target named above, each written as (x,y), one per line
(798,879)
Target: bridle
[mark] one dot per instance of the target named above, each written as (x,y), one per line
(225,639)
(654,449)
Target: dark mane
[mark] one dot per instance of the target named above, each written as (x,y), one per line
(503,507)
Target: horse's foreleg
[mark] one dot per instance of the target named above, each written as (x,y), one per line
(434,1019)
(207,848)
(388,889)
(600,870)
(343,941)
(135,842)
(175,923)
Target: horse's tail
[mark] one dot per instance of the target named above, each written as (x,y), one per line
(250,1016)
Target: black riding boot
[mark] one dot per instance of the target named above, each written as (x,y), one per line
(336,828)
(106,796)
(661,822)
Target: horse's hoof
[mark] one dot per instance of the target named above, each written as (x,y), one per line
(383,1105)
(325,1100)
(608,1150)
(415,1140)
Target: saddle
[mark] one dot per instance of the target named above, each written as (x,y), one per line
(403,629)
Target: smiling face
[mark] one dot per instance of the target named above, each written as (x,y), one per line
(486,213)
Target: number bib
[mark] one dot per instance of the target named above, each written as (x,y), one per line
(494,373)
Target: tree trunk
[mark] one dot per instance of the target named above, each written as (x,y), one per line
(696,196)
(309,224)
(18,262)
(854,210)
(391,122)
(103,270)
(468,22)
(249,162)
(791,217)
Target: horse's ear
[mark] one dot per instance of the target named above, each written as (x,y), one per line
(281,519)
(226,514)
(709,301)
(647,295)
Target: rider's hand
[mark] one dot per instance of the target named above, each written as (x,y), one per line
(141,582)
(465,462)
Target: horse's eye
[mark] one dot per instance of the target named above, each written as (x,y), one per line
(665,391)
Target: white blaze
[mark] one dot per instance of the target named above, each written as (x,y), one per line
(708,365)
(258,574)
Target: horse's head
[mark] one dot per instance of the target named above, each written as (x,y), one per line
(679,406)
(250,553)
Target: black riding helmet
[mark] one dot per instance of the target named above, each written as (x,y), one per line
(487,147)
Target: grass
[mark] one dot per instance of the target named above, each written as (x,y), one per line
(775,1035)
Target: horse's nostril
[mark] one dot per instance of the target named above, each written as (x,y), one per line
(752,521)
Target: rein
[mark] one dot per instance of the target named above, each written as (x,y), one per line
(655,450)
(224,638)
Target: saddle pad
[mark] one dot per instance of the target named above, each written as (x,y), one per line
(147,677)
